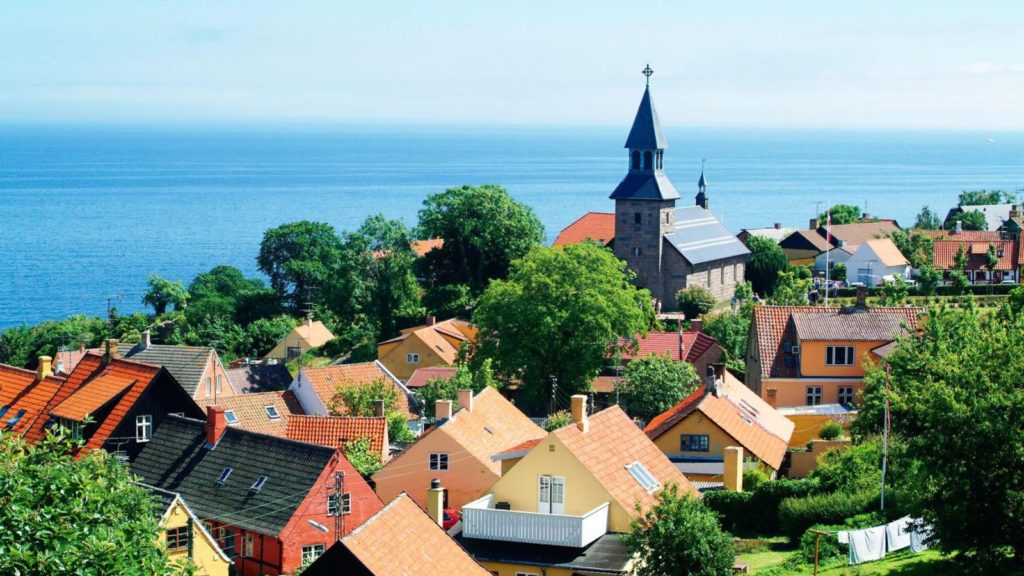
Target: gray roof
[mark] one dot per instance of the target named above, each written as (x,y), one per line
(646,132)
(645,186)
(260,378)
(185,363)
(995,214)
(859,325)
(701,237)
(177,459)
(162,499)
(606,555)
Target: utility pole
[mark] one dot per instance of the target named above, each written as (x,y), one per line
(885,433)
(554,392)
(338,496)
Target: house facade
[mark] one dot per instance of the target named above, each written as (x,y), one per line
(197,369)
(432,344)
(808,247)
(315,388)
(876,262)
(310,334)
(974,245)
(185,537)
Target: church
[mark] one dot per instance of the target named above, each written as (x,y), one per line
(668,247)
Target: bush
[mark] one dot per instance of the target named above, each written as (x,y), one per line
(695,301)
(829,548)
(796,515)
(754,478)
(733,509)
(756,512)
(831,431)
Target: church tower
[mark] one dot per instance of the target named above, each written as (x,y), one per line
(645,200)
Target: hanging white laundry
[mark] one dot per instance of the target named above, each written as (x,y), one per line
(844,537)
(919,535)
(867,545)
(897,534)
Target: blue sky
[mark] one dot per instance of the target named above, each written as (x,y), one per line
(868,64)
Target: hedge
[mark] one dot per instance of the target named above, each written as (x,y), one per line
(798,514)
(757,512)
(944,290)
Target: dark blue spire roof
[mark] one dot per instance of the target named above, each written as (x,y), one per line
(646,132)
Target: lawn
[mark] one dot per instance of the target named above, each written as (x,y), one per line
(770,559)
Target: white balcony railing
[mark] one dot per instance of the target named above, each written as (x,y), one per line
(481,520)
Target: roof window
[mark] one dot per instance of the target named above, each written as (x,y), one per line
(4,409)
(643,477)
(224,475)
(258,484)
(272,412)
(229,415)
(14,419)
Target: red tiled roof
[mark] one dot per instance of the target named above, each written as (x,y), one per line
(603,384)
(521,447)
(421,376)
(334,432)
(251,410)
(964,236)
(20,390)
(598,226)
(694,345)
(96,394)
(326,381)
(946,250)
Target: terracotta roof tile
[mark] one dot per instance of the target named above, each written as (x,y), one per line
(84,369)
(421,376)
(23,398)
(599,226)
(694,345)
(887,252)
(334,432)
(437,336)
(964,236)
(493,425)
(946,250)
(251,410)
(521,447)
(326,381)
(96,394)
(612,442)
(423,544)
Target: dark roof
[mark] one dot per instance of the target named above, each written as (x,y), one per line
(177,459)
(848,324)
(259,378)
(185,363)
(607,554)
(338,560)
(162,499)
(645,186)
(646,132)
(701,237)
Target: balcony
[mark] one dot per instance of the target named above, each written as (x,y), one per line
(481,520)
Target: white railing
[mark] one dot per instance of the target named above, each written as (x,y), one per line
(481,520)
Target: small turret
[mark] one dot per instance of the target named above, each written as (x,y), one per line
(702,186)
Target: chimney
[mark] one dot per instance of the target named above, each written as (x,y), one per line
(466,399)
(378,408)
(443,409)
(709,379)
(44,368)
(1015,211)
(959,227)
(216,424)
(696,325)
(431,320)
(778,225)
(865,216)
(309,321)
(111,350)
(435,502)
(579,412)
(814,224)
(733,472)
(147,341)
(862,297)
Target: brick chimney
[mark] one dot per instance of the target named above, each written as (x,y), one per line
(431,320)
(862,297)
(813,225)
(579,412)
(111,350)
(435,502)
(216,424)
(733,473)
(443,409)
(44,368)
(466,399)
(378,408)
(696,325)
(147,340)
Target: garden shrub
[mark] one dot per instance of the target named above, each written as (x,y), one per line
(733,509)
(756,512)
(831,431)
(695,301)
(796,515)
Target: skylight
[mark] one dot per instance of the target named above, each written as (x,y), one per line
(224,475)
(258,484)
(272,413)
(229,415)
(4,409)
(14,419)
(641,475)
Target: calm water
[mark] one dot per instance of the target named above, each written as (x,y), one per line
(87,213)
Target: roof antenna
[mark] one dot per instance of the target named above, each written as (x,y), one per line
(647,72)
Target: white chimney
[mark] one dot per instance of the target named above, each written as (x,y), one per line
(147,340)
(466,399)
(579,412)
(959,227)
(443,409)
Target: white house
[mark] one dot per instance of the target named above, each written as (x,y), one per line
(875,261)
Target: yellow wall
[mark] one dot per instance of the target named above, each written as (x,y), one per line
(807,427)
(393,357)
(695,423)
(503,569)
(204,553)
(813,355)
(793,391)
(292,340)
(583,493)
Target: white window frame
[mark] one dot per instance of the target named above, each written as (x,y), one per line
(220,384)
(177,543)
(412,358)
(438,461)
(816,393)
(143,427)
(229,418)
(209,386)
(311,552)
(643,477)
(247,545)
(849,355)
(346,504)
(846,391)
(272,412)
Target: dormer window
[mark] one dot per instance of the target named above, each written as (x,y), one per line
(224,475)
(229,415)
(643,477)
(257,485)
(272,413)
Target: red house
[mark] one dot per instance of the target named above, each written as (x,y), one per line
(271,503)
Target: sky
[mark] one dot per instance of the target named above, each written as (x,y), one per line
(861,65)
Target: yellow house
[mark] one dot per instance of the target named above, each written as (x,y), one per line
(309,334)
(185,536)
(432,344)
(564,499)
(722,413)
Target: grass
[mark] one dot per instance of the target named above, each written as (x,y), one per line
(769,556)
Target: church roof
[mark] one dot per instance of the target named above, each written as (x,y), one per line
(645,186)
(700,237)
(646,132)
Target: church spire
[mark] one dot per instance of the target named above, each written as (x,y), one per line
(702,185)
(646,142)
(646,132)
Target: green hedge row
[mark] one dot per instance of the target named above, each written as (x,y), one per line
(756,512)
(978,289)
(798,514)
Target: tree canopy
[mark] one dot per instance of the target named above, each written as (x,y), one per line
(766,261)
(695,301)
(985,197)
(927,220)
(299,257)
(163,293)
(841,214)
(969,220)
(360,400)
(558,316)
(791,289)
(654,383)
(466,378)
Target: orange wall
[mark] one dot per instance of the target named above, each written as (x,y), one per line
(793,391)
(213,369)
(392,356)
(695,423)
(813,355)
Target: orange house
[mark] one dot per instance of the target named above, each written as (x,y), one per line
(432,344)
(812,355)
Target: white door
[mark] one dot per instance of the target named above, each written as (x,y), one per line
(544,495)
(551,495)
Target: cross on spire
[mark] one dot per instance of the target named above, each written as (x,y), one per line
(647,72)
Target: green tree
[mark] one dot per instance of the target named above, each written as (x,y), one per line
(928,279)
(225,293)
(991,259)
(895,292)
(67,515)
(394,293)
(262,335)
(654,383)
(558,420)
(362,458)
(838,272)
(679,535)
(969,220)
(841,214)
(960,258)
(22,345)
(917,248)
(298,258)
(927,220)
(766,261)
(559,315)
(731,329)
(791,290)
(465,378)
(695,301)
(360,400)
(163,293)
(984,197)
(484,229)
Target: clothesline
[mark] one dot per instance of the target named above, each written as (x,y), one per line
(870,544)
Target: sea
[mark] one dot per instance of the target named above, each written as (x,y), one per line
(87,213)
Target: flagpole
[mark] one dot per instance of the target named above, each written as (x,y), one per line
(828,247)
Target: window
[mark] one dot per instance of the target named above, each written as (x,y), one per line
(641,475)
(648,160)
(846,394)
(294,352)
(550,494)
(813,395)
(311,553)
(439,461)
(209,387)
(634,161)
(177,538)
(638,218)
(258,484)
(228,544)
(666,217)
(247,545)
(694,442)
(839,355)
(143,428)
(220,383)
(332,504)
(13,420)
(224,475)
(412,358)
(272,413)
(636,251)
(721,270)
(4,409)
(229,415)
